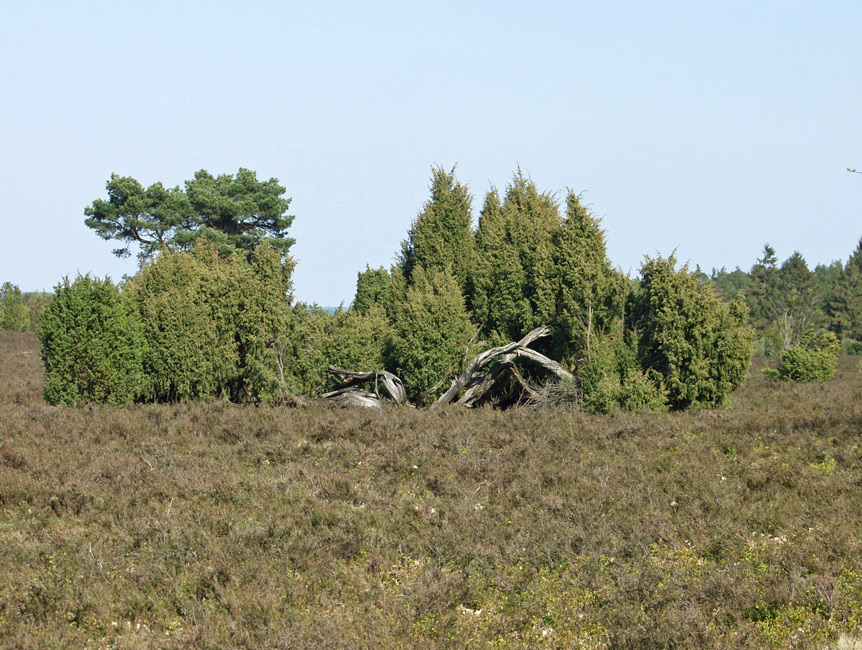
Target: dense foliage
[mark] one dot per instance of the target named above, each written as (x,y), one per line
(236,212)
(212,302)
(92,344)
(813,359)
(698,347)
(21,311)
(793,307)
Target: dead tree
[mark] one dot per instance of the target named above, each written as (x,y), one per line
(476,380)
(349,393)
(500,359)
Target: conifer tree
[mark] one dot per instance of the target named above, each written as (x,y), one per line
(763,290)
(489,236)
(307,360)
(356,340)
(15,315)
(844,305)
(797,300)
(697,347)
(441,236)
(190,306)
(431,331)
(264,323)
(373,287)
(92,344)
(590,292)
(516,288)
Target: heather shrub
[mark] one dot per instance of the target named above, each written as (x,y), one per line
(92,345)
(215,525)
(815,359)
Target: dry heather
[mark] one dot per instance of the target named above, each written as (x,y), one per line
(215,526)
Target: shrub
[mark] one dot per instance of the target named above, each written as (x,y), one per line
(698,347)
(815,359)
(91,344)
(14,314)
(189,306)
(431,331)
(853,348)
(356,340)
(264,324)
(611,378)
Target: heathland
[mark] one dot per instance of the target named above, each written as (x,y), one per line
(216,525)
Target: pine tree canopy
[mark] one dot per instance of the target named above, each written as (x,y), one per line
(236,212)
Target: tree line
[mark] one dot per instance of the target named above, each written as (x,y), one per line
(210,314)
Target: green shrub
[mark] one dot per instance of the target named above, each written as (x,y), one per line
(431,331)
(14,314)
(699,347)
(190,306)
(346,339)
(813,360)
(853,348)
(640,392)
(306,360)
(263,325)
(611,379)
(91,344)
(356,340)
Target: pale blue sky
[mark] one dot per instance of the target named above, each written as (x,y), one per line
(706,127)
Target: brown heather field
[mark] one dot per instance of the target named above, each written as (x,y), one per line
(223,526)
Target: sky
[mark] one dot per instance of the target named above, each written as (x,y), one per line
(705,128)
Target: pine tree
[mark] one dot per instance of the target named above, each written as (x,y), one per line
(844,305)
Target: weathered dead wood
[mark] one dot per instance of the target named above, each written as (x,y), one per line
(353,397)
(393,385)
(475,384)
(484,384)
(479,386)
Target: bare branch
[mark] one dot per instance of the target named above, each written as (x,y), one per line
(484,358)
